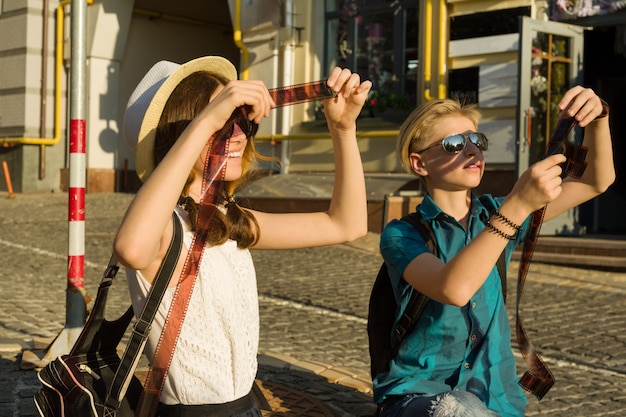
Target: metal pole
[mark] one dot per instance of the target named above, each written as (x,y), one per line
(287,64)
(76,310)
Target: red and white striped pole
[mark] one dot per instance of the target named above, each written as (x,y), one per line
(75,306)
(75,312)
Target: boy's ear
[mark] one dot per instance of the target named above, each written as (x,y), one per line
(417,164)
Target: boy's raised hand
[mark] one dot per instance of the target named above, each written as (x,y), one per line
(581,103)
(538,185)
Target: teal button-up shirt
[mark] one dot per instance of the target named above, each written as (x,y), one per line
(452,348)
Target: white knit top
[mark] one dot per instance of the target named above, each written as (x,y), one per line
(215,360)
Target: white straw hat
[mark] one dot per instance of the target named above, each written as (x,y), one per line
(146,104)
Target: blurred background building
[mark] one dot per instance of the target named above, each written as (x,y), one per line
(515,58)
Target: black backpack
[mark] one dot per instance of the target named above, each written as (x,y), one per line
(382,305)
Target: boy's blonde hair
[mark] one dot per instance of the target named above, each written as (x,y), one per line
(416,130)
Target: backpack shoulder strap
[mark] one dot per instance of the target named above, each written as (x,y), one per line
(501,265)
(143,324)
(417,302)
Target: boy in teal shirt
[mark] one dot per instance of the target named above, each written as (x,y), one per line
(458,360)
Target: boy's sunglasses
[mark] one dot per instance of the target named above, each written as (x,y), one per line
(457,142)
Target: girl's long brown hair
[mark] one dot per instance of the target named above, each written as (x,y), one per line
(188,99)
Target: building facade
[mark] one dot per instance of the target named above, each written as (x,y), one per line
(514,58)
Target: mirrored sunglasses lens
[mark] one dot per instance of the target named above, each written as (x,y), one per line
(479,140)
(454,143)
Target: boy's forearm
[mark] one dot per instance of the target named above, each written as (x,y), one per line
(600,172)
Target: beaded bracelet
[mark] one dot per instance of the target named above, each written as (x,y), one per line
(507,220)
(499,232)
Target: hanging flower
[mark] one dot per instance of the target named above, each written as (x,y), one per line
(538,84)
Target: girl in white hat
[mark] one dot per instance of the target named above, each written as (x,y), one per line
(172,117)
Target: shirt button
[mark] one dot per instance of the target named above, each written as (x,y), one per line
(466,365)
(473,304)
(473,337)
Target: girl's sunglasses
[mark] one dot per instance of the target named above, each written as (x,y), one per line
(457,142)
(239,118)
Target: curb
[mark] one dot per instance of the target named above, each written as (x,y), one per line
(336,375)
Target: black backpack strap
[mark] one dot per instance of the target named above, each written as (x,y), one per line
(501,265)
(141,328)
(417,302)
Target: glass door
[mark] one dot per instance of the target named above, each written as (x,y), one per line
(551,58)
(550,63)
(378,40)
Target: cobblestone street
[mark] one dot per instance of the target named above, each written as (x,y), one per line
(313,305)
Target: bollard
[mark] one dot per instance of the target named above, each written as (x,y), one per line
(7,179)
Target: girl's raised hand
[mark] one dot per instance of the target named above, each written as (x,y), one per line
(236,93)
(342,111)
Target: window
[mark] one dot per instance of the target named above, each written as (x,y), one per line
(463,84)
(378,40)
(491,23)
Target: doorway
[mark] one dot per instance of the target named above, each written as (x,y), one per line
(605,72)
(550,62)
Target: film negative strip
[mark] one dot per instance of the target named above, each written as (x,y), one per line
(575,165)
(539,379)
(283,96)
(300,93)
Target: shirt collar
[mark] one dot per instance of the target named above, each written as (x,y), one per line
(429,210)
